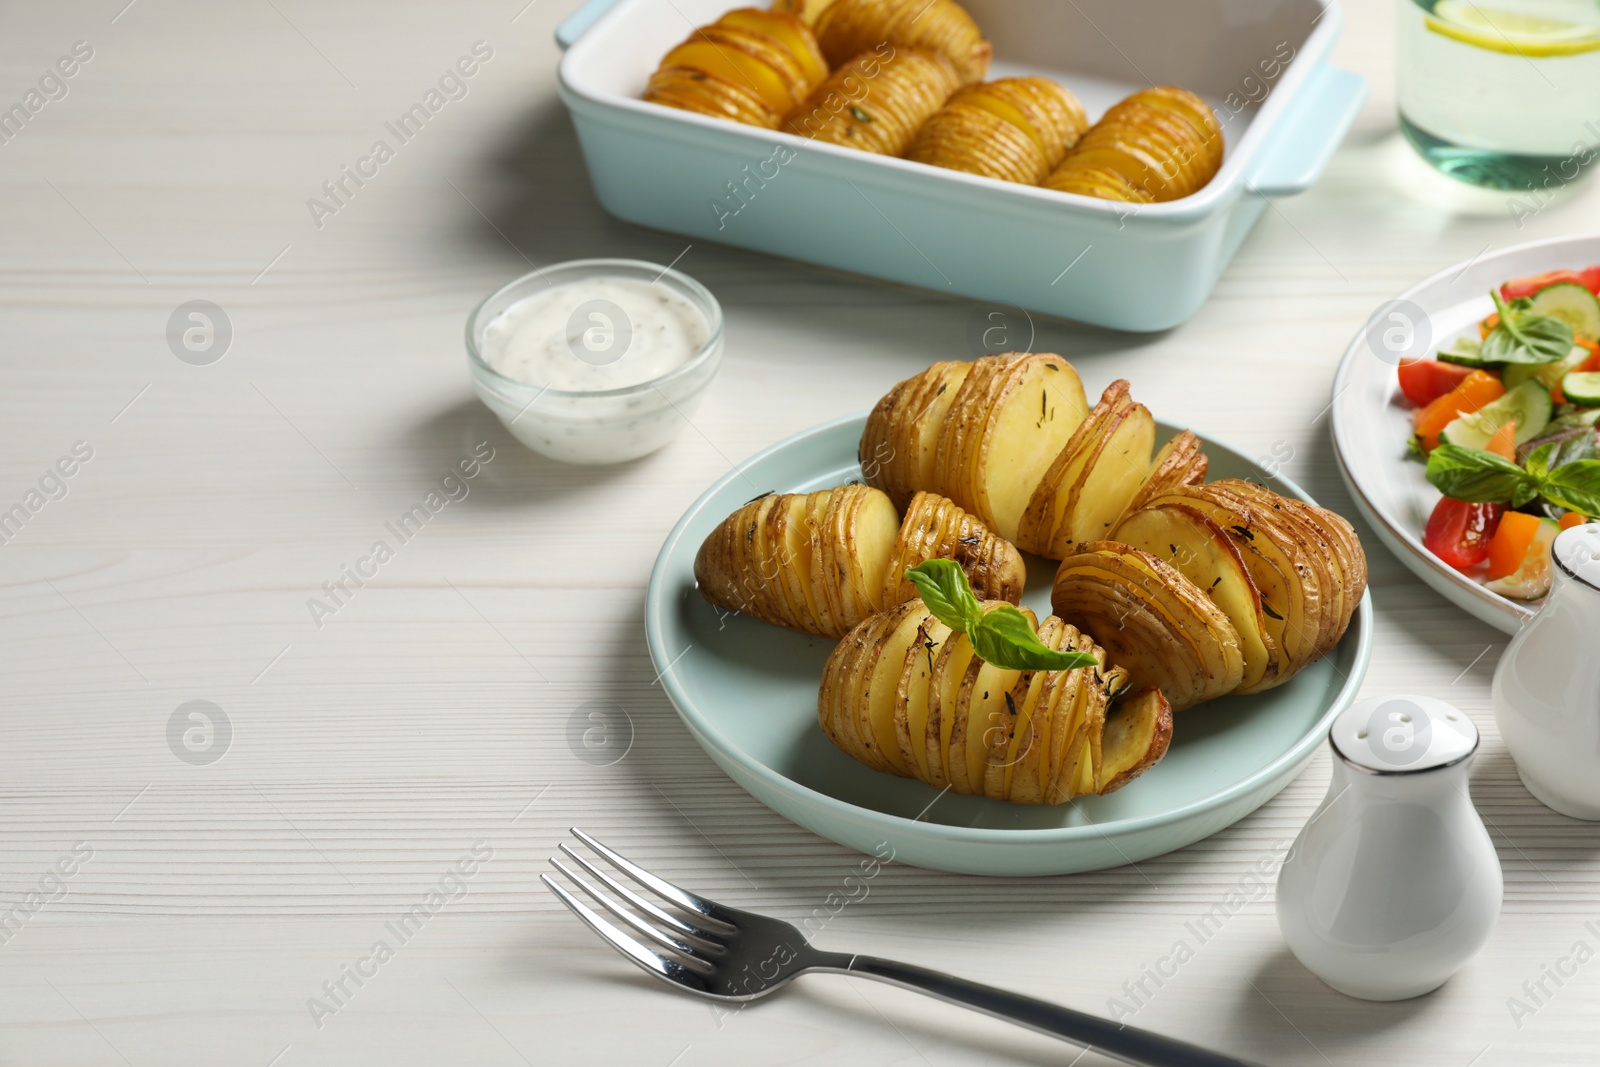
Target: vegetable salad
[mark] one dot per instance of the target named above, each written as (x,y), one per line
(1506,422)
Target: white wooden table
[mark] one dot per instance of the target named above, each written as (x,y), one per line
(210,899)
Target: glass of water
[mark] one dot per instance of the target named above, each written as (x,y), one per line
(1502,93)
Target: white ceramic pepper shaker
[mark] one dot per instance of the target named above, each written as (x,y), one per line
(1393,884)
(1547,687)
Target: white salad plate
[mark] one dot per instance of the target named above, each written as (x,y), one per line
(747,691)
(1372,420)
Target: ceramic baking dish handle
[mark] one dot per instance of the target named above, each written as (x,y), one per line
(1308,133)
(577,24)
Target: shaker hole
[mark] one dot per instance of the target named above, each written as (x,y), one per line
(1361,736)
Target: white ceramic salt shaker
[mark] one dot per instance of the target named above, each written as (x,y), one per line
(1393,884)
(1547,687)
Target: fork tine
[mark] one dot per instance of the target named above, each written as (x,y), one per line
(681,897)
(665,918)
(668,970)
(694,960)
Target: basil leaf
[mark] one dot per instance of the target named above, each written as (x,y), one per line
(1476,476)
(947,593)
(1576,446)
(1538,461)
(1575,486)
(1005,638)
(1002,635)
(1521,337)
(1524,494)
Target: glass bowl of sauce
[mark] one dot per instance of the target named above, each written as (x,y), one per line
(596,360)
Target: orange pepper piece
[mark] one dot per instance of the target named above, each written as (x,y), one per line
(1476,390)
(1510,543)
(1593,362)
(1573,518)
(1504,442)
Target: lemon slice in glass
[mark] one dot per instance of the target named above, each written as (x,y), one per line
(1514,32)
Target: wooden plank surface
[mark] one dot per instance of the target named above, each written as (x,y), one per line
(209,903)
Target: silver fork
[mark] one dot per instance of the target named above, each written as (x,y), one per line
(726,954)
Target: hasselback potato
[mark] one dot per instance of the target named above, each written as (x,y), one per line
(1287,574)
(822,562)
(1013,129)
(1007,438)
(877,100)
(806,11)
(847,28)
(1152,621)
(1011,439)
(1158,144)
(751,66)
(904,694)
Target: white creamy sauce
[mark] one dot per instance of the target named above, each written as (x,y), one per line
(594,334)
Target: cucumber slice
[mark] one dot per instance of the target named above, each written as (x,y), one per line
(1464,352)
(1529,404)
(1548,374)
(1582,387)
(1572,304)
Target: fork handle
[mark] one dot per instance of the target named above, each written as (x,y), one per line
(1103,1035)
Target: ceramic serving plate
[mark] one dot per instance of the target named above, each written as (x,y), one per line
(1372,420)
(747,691)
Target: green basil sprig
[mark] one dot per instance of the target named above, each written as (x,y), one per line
(1002,635)
(1523,337)
(1480,477)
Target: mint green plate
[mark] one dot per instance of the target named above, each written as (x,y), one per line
(747,691)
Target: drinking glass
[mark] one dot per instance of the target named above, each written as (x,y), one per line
(1502,93)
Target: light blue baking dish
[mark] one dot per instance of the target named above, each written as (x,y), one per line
(1261,63)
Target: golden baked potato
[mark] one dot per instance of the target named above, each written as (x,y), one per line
(1159,144)
(1011,439)
(903,693)
(822,562)
(847,28)
(877,100)
(751,66)
(1093,479)
(807,11)
(1288,574)
(1151,620)
(1180,462)
(1013,129)
(981,433)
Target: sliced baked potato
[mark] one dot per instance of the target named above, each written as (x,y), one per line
(807,11)
(1159,144)
(901,440)
(1013,129)
(1088,486)
(1180,462)
(876,101)
(903,694)
(1151,620)
(822,562)
(1012,416)
(751,66)
(1204,553)
(847,28)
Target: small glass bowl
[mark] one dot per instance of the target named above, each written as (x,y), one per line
(597,426)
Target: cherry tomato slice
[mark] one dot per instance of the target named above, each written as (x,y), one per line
(1425,380)
(1520,287)
(1459,533)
